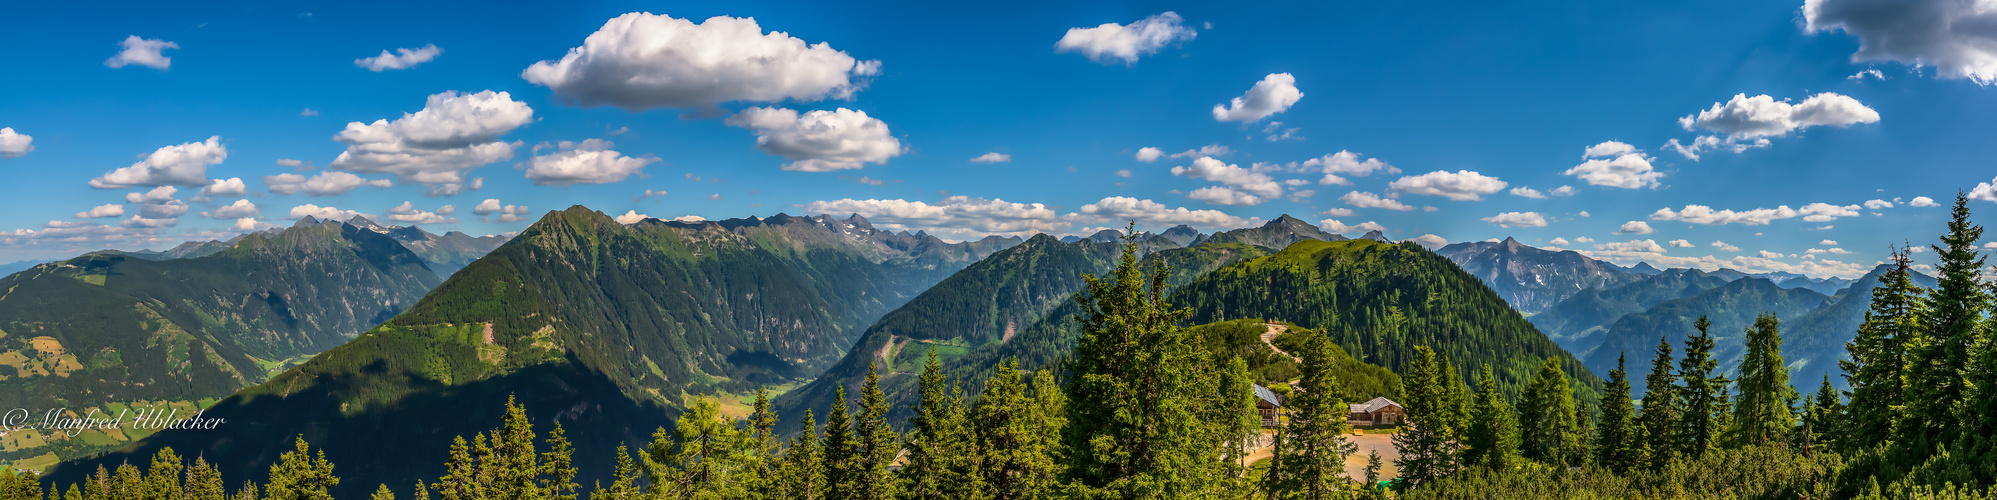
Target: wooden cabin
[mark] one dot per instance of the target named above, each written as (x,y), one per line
(1267,405)
(1377,412)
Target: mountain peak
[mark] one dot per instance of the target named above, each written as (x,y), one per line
(1376,235)
(362,222)
(307,221)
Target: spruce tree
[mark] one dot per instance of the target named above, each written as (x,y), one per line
(1765,412)
(1017,462)
(877,442)
(1548,431)
(1705,394)
(1826,417)
(1878,355)
(1493,437)
(460,481)
(941,451)
(1660,413)
(163,477)
(802,475)
(1616,445)
(838,451)
(1311,455)
(705,457)
(762,443)
(381,493)
(557,467)
(204,482)
(1427,445)
(1455,396)
(515,466)
(299,475)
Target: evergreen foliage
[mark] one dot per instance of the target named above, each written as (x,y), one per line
(1492,441)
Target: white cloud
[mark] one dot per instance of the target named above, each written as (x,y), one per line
(1559,242)
(1274,94)
(640,61)
(1149,154)
(1724,247)
(249,224)
(160,194)
(143,52)
(1584,213)
(1769,255)
(1878,204)
(1628,171)
(407,212)
(400,59)
(1221,195)
(1370,200)
(1431,241)
(1119,208)
(1825,212)
(1462,185)
(1584,239)
(1347,163)
(1701,214)
(820,141)
(328,183)
(631,217)
(102,211)
(955,215)
(1990,246)
(1864,74)
(1334,226)
(14,144)
(1682,244)
(992,157)
(1748,122)
(507,213)
(239,209)
(1923,201)
(180,165)
(1565,191)
(137,222)
(308,112)
(588,162)
(1635,227)
(1516,220)
(169,209)
(1246,180)
(1112,43)
(1123,172)
(1954,37)
(1609,149)
(323,213)
(1986,191)
(1338,212)
(451,135)
(1527,192)
(1828,243)
(230,187)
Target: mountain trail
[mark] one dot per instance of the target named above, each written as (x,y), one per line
(1276,330)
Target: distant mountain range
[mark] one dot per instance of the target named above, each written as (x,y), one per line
(1532,278)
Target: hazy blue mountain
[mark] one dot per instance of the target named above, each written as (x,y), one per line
(1531,278)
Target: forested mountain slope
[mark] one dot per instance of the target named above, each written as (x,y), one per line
(1531,278)
(1731,308)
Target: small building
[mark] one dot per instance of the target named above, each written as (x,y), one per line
(1267,404)
(1379,411)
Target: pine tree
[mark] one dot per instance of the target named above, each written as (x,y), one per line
(1825,418)
(838,451)
(557,468)
(460,480)
(1017,459)
(128,483)
(204,482)
(382,493)
(1455,396)
(1373,467)
(299,475)
(1878,354)
(162,480)
(515,464)
(877,442)
(1493,438)
(762,444)
(1313,449)
(1935,371)
(1705,394)
(1660,415)
(803,471)
(1617,447)
(1427,445)
(247,492)
(422,492)
(1548,431)
(1765,413)
(939,450)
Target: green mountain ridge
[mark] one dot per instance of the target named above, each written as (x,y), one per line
(1731,308)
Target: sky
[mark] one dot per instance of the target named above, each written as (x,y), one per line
(1760,136)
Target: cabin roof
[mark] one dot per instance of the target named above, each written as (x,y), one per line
(1374,405)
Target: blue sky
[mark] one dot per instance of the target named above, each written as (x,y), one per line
(1455,99)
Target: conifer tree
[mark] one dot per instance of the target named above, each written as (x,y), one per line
(557,468)
(1017,462)
(705,455)
(802,475)
(1548,431)
(838,451)
(941,454)
(515,468)
(1826,417)
(762,443)
(1053,411)
(1493,438)
(204,482)
(1766,411)
(1311,455)
(247,492)
(878,444)
(382,493)
(1659,418)
(460,481)
(1878,355)
(1617,447)
(1455,396)
(1427,445)
(422,492)
(128,483)
(1705,394)
(299,475)
(1373,467)
(1935,372)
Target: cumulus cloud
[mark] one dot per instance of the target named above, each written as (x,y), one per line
(1461,185)
(820,141)
(1510,220)
(1559,242)
(1338,212)
(451,135)
(1121,208)
(1244,180)
(1954,37)
(1878,204)
(1111,43)
(588,162)
(1334,226)
(631,217)
(1149,154)
(170,209)
(237,210)
(230,187)
(14,144)
(1701,214)
(507,213)
(143,52)
(160,194)
(1221,195)
(1747,122)
(139,222)
(639,61)
(1274,94)
(407,212)
(1986,191)
(1370,200)
(992,157)
(1635,227)
(1430,241)
(1724,247)
(1613,164)
(1343,163)
(329,183)
(1682,244)
(1527,192)
(1923,201)
(323,213)
(102,211)
(400,59)
(1123,172)
(956,215)
(178,165)
(1565,191)
(247,224)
